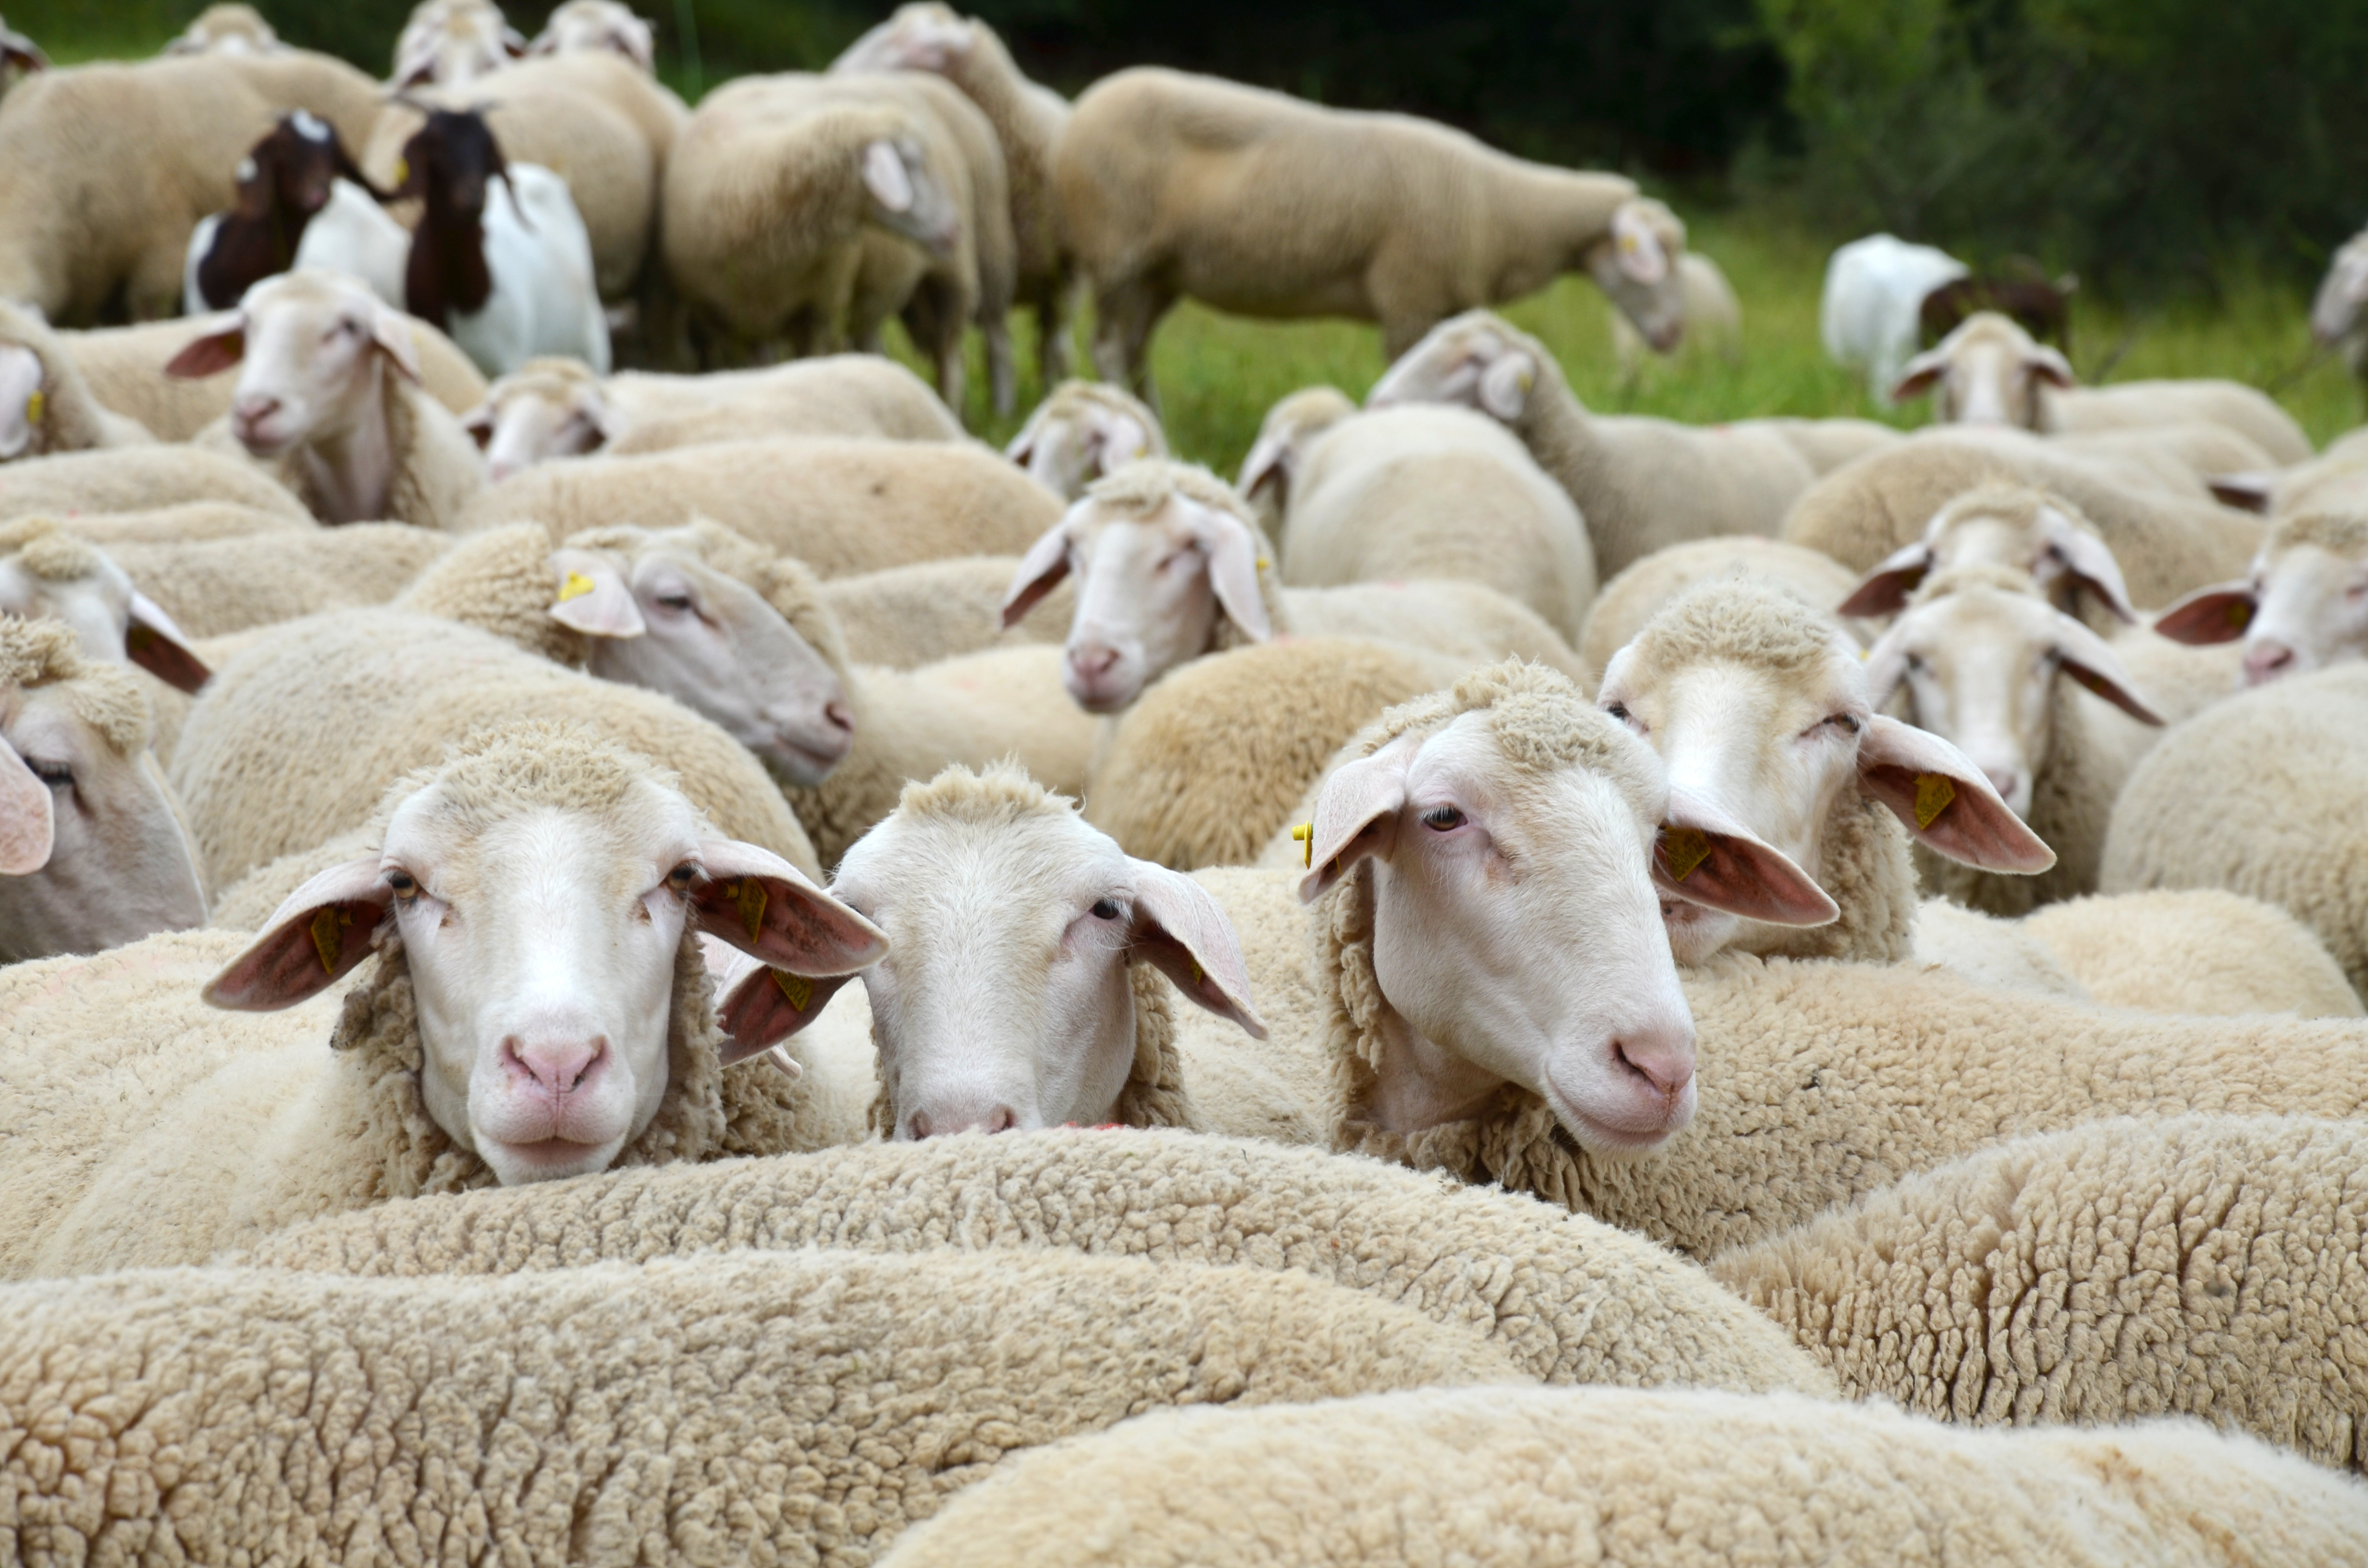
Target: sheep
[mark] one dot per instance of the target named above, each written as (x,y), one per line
(2303,607)
(1660,1479)
(302,202)
(1170,567)
(2335,309)
(93,854)
(1633,598)
(1826,444)
(905,617)
(45,404)
(2336,480)
(1176,185)
(841,506)
(1881,504)
(105,169)
(2118,1270)
(783,1408)
(125,367)
(211,587)
(1640,484)
(2193,950)
(2260,795)
(1712,314)
(1290,431)
(2015,526)
(142,478)
(329,401)
(1422,493)
(581,25)
(549,409)
(453,43)
(1568,1300)
(47,574)
(1871,309)
(1028,121)
(227,29)
(1083,431)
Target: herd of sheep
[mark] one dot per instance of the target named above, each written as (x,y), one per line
(1594,989)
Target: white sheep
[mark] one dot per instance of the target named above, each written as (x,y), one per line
(583,24)
(93,854)
(1633,598)
(227,29)
(1713,317)
(329,401)
(1290,431)
(1172,185)
(303,203)
(1639,483)
(191,522)
(1082,431)
(1871,310)
(121,481)
(45,403)
(1170,565)
(539,1008)
(2304,606)
(453,43)
(216,587)
(2014,525)
(49,574)
(2187,950)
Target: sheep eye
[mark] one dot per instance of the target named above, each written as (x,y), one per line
(1443,819)
(680,603)
(56,775)
(1916,661)
(682,876)
(1848,722)
(405,886)
(1105,909)
(1619,710)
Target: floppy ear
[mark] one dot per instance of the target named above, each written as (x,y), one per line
(1185,934)
(1236,551)
(1886,663)
(1946,801)
(2216,614)
(28,817)
(157,645)
(2089,561)
(326,928)
(884,176)
(22,51)
(2246,491)
(392,335)
(1356,815)
(2045,364)
(1705,856)
(1117,441)
(2086,658)
(1023,445)
(759,1006)
(211,355)
(1885,589)
(592,595)
(1269,462)
(763,906)
(1505,385)
(1918,375)
(1041,571)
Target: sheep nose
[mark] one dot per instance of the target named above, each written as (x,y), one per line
(2266,662)
(1000,1118)
(839,716)
(557,1067)
(1092,660)
(254,408)
(1662,1057)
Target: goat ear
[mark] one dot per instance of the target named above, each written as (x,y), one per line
(759,1006)
(1885,589)
(2090,562)
(392,333)
(2089,660)
(1703,857)
(347,169)
(1184,933)
(1236,553)
(28,816)
(2051,367)
(1356,815)
(1917,378)
(157,645)
(1505,385)
(1041,571)
(212,354)
(763,905)
(2246,491)
(592,596)
(2216,614)
(326,928)
(1941,797)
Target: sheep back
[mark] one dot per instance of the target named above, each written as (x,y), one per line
(139,479)
(2193,950)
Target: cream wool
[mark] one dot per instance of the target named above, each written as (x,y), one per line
(905,617)
(792,1409)
(2193,950)
(191,522)
(139,479)
(1635,596)
(212,588)
(2203,1266)
(70,418)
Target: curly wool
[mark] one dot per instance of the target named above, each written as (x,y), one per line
(2339,533)
(105,695)
(499,581)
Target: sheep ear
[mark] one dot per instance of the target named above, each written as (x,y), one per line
(392,335)
(1269,462)
(1705,856)
(1505,385)
(1919,374)
(326,928)
(2217,613)
(1185,934)
(1023,445)
(1235,553)
(28,816)
(2049,366)
(886,177)
(593,596)
(2090,562)
(1886,665)
(1885,589)
(212,354)
(22,51)
(763,906)
(1636,248)
(1117,441)
(1947,802)
(759,1006)
(2246,491)
(2089,659)
(1356,815)
(1041,571)
(157,645)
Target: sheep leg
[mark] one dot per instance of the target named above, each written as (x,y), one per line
(1125,315)
(1002,376)
(1055,309)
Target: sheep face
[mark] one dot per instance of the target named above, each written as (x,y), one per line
(453,43)
(1081,433)
(535,418)
(1007,1003)
(2025,530)
(660,617)
(2305,605)
(922,36)
(1475,361)
(594,25)
(2334,313)
(55,578)
(1637,268)
(1988,371)
(313,347)
(21,401)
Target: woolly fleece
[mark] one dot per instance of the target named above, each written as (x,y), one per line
(139,479)
(1633,598)
(72,419)
(211,587)
(2193,950)
(905,617)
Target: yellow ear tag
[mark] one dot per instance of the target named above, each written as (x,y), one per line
(327,940)
(2241,614)
(1304,836)
(1686,847)
(1528,380)
(1196,971)
(796,987)
(574,586)
(1933,793)
(1263,561)
(34,402)
(750,895)
(402,170)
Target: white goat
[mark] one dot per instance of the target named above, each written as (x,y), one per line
(1872,310)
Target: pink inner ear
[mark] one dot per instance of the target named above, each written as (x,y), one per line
(1354,814)
(1233,567)
(1940,797)
(1183,932)
(311,941)
(1041,571)
(1885,591)
(2212,615)
(1705,856)
(209,356)
(768,1005)
(157,645)
(28,817)
(763,905)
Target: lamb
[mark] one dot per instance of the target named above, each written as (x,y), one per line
(2118,1270)
(454,42)
(329,400)
(45,404)
(227,29)
(1171,566)
(2303,607)
(1640,484)
(774,1407)
(93,854)
(1083,430)
(1175,185)
(105,169)
(1636,595)
(841,506)
(549,409)
(905,616)
(1872,309)
(1028,121)
(302,202)
(583,25)
(1660,1479)
(2262,795)
(1707,305)
(538,1009)
(1401,494)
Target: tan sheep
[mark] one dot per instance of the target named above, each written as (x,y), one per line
(1082,431)
(1638,594)
(905,617)
(2193,950)
(140,479)
(226,28)
(1713,317)
(215,587)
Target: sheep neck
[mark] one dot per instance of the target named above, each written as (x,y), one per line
(1418,1084)
(1559,218)
(349,470)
